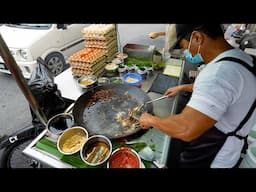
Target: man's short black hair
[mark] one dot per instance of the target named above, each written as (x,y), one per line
(184,31)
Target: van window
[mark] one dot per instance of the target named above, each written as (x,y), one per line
(30,26)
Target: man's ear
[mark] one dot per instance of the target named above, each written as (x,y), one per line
(198,37)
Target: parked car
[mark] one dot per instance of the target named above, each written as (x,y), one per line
(52,42)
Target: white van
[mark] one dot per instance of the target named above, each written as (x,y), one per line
(53,42)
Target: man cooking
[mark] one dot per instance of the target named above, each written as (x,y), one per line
(220,113)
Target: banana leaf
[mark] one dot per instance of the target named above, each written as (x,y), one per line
(49,147)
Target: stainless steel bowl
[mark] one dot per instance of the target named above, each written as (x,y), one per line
(72,140)
(57,124)
(117,80)
(103,81)
(87,81)
(96,150)
(124,157)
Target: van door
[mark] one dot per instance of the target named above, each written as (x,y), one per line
(72,38)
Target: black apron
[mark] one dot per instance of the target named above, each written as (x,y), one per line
(200,152)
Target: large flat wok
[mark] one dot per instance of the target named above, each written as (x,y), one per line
(99,117)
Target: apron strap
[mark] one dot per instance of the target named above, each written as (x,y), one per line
(202,151)
(252,108)
(246,118)
(236,60)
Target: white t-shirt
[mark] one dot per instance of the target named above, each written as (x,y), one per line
(170,36)
(225,92)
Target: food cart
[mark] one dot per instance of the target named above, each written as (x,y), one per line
(70,90)
(67,84)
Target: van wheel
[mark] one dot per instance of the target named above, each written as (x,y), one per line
(55,62)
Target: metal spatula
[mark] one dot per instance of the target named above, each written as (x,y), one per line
(138,108)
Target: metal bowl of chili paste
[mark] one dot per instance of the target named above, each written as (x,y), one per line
(124,157)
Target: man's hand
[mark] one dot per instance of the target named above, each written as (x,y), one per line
(145,121)
(172,91)
(153,35)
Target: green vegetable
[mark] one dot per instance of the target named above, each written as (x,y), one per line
(136,146)
(142,68)
(143,63)
(160,65)
(139,62)
(152,146)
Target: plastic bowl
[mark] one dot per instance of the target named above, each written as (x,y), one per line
(124,157)
(133,79)
(72,140)
(96,150)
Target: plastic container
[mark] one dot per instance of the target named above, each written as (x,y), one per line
(249,160)
(133,79)
(111,70)
(122,69)
(143,72)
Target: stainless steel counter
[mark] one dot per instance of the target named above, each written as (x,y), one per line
(70,90)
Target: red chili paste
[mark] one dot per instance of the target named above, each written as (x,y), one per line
(124,158)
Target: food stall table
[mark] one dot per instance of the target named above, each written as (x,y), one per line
(70,90)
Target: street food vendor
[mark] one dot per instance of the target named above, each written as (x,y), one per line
(221,110)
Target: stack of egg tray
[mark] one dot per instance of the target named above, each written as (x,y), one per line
(99,32)
(101,43)
(82,65)
(111,53)
(102,36)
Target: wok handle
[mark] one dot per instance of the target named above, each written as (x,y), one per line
(70,108)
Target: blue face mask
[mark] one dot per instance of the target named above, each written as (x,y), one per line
(190,58)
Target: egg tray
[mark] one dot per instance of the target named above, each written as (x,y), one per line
(96,67)
(95,36)
(101,42)
(80,72)
(80,56)
(101,45)
(98,28)
(87,65)
(110,56)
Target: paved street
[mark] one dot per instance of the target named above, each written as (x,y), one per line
(14,109)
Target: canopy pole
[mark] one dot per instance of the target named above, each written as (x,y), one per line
(21,81)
